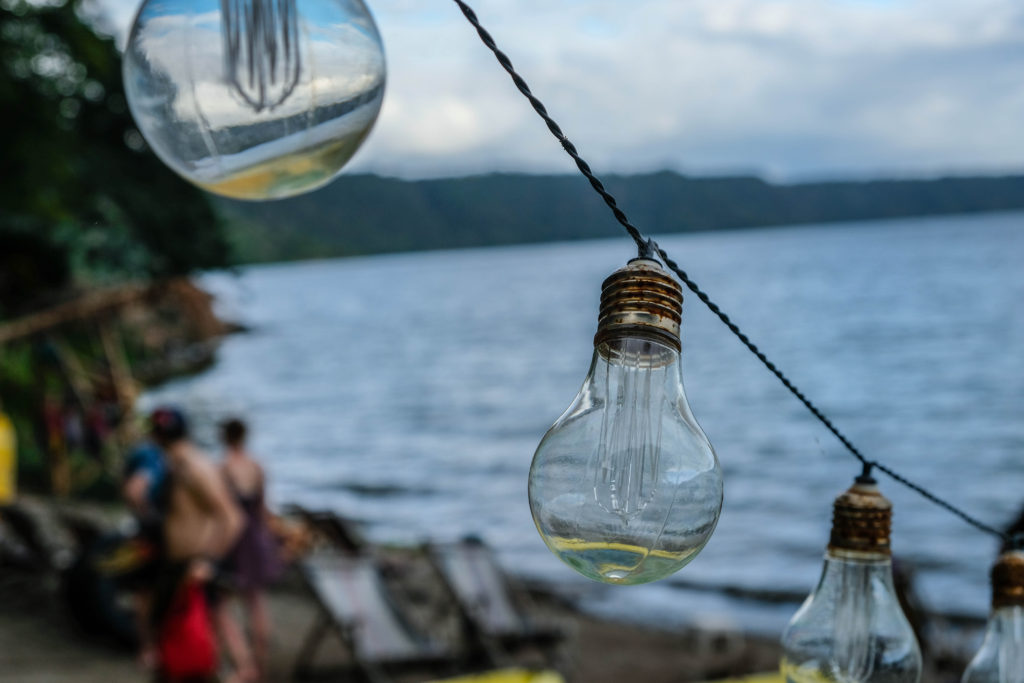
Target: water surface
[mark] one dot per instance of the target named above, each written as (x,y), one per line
(410,391)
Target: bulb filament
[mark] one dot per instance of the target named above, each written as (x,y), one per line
(855,647)
(261,50)
(630,445)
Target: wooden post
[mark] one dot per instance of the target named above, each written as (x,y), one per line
(120,371)
(125,386)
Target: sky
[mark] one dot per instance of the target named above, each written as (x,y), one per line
(787,89)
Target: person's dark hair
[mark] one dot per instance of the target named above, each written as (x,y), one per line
(167,425)
(233,431)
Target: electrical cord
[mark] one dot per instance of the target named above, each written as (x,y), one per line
(647,246)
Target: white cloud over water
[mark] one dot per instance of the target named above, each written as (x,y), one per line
(793,88)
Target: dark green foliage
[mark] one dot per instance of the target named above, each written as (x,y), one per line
(25,375)
(30,263)
(362,214)
(80,190)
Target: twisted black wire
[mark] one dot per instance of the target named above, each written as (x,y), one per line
(645,247)
(973,521)
(539,107)
(674,267)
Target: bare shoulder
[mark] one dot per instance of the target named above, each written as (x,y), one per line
(196,468)
(249,467)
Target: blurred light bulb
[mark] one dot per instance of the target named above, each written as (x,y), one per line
(625,488)
(1001,657)
(254,99)
(851,629)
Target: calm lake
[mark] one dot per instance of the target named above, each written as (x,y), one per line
(409,392)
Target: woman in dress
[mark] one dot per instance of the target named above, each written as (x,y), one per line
(253,563)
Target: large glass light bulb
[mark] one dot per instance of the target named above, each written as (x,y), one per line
(624,487)
(1001,657)
(254,99)
(851,629)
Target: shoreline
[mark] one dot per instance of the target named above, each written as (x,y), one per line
(39,641)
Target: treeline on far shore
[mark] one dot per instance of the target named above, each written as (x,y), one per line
(365,214)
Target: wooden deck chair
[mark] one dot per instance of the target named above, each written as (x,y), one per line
(494,621)
(356,605)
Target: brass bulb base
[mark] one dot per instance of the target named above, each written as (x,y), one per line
(861,520)
(640,300)
(1008,580)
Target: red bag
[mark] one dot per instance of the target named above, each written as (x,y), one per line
(186,642)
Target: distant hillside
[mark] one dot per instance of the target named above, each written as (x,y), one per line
(364,214)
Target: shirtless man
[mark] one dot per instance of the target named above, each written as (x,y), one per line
(202,521)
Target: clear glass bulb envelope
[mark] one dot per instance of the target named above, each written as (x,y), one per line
(624,487)
(255,99)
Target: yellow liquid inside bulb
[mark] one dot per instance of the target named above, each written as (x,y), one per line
(794,673)
(625,488)
(290,174)
(618,563)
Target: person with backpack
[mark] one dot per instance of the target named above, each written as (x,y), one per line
(200,526)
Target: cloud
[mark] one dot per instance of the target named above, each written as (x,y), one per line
(794,88)
(187,50)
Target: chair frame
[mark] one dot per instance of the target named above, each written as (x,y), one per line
(433,656)
(491,647)
(339,533)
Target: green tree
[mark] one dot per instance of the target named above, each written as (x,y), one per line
(81,196)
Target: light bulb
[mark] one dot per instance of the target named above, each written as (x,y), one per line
(254,99)
(1001,657)
(624,487)
(851,629)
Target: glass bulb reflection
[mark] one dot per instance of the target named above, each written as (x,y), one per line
(624,487)
(851,629)
(255,99)
(1001,657)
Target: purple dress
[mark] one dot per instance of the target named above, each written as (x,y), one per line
(254,562)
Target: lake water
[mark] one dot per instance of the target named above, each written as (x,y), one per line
(409,392)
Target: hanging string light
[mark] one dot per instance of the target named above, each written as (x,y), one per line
(851,628)
(650,248)
(1001,657)
(254,99)
(624,487)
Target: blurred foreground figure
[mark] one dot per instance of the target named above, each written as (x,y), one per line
(200,526)
(8,459)
(254,562)
(145,490)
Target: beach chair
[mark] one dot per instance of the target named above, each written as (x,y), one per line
(22,541)
(495,622)
(336,532)
(355,604)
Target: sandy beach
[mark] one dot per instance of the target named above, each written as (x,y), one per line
(40,641)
